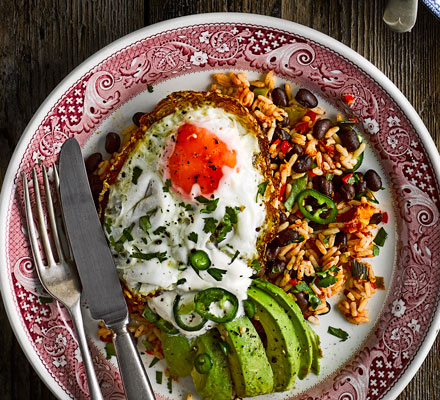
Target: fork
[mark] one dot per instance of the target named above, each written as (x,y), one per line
(59,278)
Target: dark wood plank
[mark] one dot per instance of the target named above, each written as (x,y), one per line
(42,41)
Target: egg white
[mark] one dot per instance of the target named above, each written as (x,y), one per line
(128,202)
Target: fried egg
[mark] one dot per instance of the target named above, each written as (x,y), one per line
(190,179)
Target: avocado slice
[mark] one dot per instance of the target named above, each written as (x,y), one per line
(283,349)
(308,339)
(249,366)
(217,383)
(178,353)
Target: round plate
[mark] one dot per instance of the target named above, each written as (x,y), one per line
(102,94)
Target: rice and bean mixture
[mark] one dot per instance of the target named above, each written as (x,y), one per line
(329,219)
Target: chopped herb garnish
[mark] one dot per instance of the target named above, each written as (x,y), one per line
(255,264)
(127,233)
(166,188)
(187,207)
(327,281)
(109,350)
(149,256)
(144,223)
(45,300)
(108,225)
(234,257)
(261,189)
(381,237)
(314,300)
(153,362)
(297,187)
(302,287)
(376,250)
(159,377)
(210,205)
(339,333)
(326,240)
(222,231)
(170,384)
(180,281)
(136,174)
(159,230)
(193,237)
(329,176)
(148,345)
(150,89)
(216,273)
(351,180)
(210,225)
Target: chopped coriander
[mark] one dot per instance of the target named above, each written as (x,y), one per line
(351,180)
(45,300)
(326,239)
(150,88)
(153,362)
(144,223)
(210,225)
(148,345)
(180,281)
(255,264)
(166,188)
(327,281)
(109,350)
(211,205)
(329,176)
(231,214)
(381,237)
(376,250)
(234,257)
(159,377)
(127,233)
(136,174)
(261,189)
(302,287)
(341,334)
(144,240)
(222,231)
(159,230)
(187,207)
(314,300)
(216,273)
(170,384)
(193,237)
(299,240)
(149,256)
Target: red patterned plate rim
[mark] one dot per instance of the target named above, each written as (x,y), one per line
(400,128)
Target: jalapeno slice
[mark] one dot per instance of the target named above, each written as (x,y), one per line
(199,260)
(249,308)
(203,363)
(322,200)
(205,298)
(177,312)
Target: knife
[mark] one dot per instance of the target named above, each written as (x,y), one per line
(97,269)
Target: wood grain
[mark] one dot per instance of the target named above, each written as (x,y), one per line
(41,41)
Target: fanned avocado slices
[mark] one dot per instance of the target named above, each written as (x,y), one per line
(249,366)
(308,339)
(216,383)
(178,353)
(283,349)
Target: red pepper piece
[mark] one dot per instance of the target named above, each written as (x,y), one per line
(293,282)
(312,115)
(354,119)
(347,177)
(302,127)
(312,174)
(107,339)
(373,285)
(277,142)
(282,191)
(285,146)
(385,217)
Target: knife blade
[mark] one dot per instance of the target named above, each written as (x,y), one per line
(97,269)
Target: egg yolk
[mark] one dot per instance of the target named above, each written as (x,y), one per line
(198,158)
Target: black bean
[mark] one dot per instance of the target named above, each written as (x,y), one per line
(285,237)
(301,299)
(306,98)
(292,219)
(337,182)
(275,268)
(374,182)
(303,163)
(376,219)
(360,187)
(317,227)
(281,134)
(279,97)
(296,149)
(286,121)
(137,117)
(95,185)
(311,201)
(93,161)
(272,251)
(321,127)
(341,239)
(347,192)
(349,139)
(321,184)
(283,217)
(112,142)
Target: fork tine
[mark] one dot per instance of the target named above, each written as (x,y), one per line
(31,226)
(51,214)
(43,230)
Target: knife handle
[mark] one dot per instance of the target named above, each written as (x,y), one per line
(132,370)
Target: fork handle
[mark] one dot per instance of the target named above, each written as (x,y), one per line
(134,377)
(92,380)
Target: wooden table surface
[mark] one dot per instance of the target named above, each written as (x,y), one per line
(42,41)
